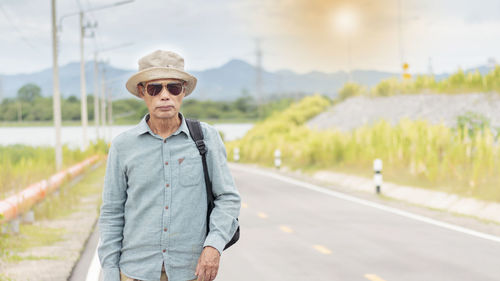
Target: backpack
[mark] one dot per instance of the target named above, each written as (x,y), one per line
(197,134)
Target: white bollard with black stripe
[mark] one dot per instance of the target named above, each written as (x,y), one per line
(277,158)
(377,168)
(236,154)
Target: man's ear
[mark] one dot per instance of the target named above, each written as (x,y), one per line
(140,90)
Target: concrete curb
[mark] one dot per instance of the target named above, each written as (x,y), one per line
(433,199)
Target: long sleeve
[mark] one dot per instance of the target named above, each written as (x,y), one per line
(223,223)
(111,218)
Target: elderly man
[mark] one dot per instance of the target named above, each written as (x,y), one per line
(153,219)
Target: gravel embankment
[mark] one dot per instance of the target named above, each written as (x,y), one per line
(435,108)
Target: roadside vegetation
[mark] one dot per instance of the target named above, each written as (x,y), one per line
(30,108)
(458,83)
(22,165)
(464,160)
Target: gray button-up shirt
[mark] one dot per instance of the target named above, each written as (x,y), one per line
(154,203)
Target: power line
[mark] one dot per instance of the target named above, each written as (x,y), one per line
(16,28)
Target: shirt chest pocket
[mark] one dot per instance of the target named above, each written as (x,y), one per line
(190,170)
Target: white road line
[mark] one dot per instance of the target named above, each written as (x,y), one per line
(346,197)
(94,268)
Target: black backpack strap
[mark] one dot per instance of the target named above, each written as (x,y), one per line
(197,135)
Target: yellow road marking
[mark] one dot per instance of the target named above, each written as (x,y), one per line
(322,249)
(244,205)
(262,215)
(286,229)
(373,277)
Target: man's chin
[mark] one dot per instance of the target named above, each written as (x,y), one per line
(165,114)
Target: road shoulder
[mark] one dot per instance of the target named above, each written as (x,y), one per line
(471,222)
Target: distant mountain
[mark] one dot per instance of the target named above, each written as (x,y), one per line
(227,82)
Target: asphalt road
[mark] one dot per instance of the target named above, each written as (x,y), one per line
(296,231)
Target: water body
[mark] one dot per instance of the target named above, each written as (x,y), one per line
(72,135)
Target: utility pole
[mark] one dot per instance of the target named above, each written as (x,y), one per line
(429,67)
(349,51)
(1,89)
(96,95)
(400,35)
(56,98)
(110,115)
(258,76)
(83,90)
(103,98)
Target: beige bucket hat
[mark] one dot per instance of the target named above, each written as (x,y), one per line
(158,65)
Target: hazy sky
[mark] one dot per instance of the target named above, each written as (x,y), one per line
(301,35)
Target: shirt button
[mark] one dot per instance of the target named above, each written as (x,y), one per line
(165,229)
(165,140)
(167,185)
(166,163)
(164,250)
(166,207)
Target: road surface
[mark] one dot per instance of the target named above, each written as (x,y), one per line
(293,230)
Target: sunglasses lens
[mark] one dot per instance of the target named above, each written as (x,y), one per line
(174,88)
(154,89)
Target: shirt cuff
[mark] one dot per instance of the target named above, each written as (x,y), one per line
(215,241)
(111,274)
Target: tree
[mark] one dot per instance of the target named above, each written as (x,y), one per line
(245,103)
(29,92)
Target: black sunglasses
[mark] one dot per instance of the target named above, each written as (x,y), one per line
(153,89)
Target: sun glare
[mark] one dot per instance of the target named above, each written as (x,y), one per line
(345,20)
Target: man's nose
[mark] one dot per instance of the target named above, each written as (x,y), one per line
(164,94)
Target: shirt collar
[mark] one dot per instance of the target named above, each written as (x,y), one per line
(143,126)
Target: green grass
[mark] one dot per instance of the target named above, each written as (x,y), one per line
(121,122)
(29,236)
(401,176)
(22,165)
(118,122)
(457,83)
(67,200)
(416,153)
(16,258)
(41,123)
(230,121)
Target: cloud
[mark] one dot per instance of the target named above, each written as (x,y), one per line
(296,34)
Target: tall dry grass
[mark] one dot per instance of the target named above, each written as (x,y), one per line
(461,161)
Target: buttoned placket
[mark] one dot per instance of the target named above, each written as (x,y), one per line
(167,171)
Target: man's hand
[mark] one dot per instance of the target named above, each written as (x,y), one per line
(208,264)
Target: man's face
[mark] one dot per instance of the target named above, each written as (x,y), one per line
(164,105)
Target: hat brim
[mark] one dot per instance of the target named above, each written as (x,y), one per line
(154,73)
